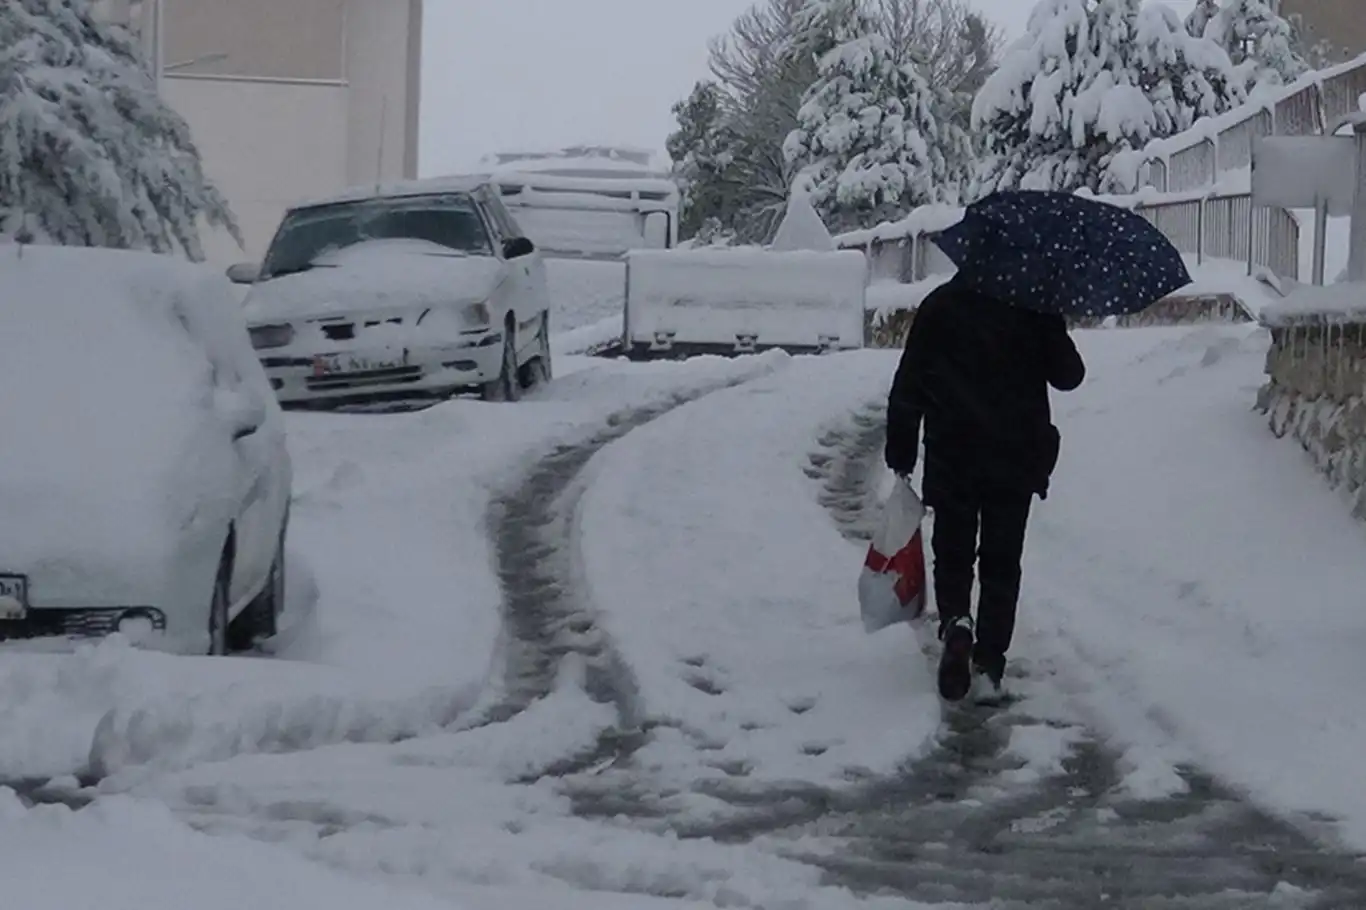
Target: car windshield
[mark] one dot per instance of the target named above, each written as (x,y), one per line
(450,221)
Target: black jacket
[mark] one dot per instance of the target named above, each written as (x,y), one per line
(976,373)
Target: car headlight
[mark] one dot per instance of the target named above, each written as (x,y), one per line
(476,314)
(264,337)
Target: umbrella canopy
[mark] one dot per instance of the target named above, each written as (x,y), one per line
(1064,254)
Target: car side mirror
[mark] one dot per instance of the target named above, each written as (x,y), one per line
(244,273)
(518,247)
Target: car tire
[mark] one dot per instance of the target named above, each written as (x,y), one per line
(261,619)
(218,607)
(537,371)
(505,387)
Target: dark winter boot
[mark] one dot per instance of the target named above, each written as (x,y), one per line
(988,672)
(955,663)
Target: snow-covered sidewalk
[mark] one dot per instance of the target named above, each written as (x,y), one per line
(1209,582)
(731,591)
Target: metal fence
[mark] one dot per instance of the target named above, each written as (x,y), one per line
(1197,158)
(1214,228)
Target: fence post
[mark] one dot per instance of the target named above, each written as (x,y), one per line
(1356,257)
(1200,231)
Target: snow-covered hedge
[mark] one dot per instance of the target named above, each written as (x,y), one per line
(1316,387)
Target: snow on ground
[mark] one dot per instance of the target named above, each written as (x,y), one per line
(731,592)
(587,300)
(389,517)
(1206,576)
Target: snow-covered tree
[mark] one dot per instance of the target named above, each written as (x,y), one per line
(702,154)
(1200,17)
(873,138)
(90,155)
(1262,43)
(1185,77)
(1091,81)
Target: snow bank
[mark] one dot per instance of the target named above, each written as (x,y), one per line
(1332,304)
(1200,572)
(731,593)
(390,511)
(713,295)
(109,423)
(122,854)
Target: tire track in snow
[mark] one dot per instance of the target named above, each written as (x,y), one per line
(547,618)
(965,823)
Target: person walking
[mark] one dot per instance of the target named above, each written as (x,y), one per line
(975,373)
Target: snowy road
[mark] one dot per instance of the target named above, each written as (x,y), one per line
(601,649)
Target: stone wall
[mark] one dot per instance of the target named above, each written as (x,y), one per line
(1316,392)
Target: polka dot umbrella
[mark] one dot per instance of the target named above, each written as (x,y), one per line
(1061,253)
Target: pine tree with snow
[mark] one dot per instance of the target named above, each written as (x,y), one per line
(1090,83)
(874,138)
(90,155)
(702,152)
(1200,17)
(1262,43)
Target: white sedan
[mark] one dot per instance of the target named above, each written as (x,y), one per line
(144,478)
(426,290)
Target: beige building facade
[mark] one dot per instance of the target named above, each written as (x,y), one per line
(1339,24)
(288,99)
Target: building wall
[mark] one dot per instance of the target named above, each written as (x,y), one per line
(283,39)
(266,145)
(1342,23)
(290,99)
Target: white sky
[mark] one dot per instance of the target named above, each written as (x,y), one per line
(504,74)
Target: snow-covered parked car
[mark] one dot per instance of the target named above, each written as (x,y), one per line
(428,289)
(144,478)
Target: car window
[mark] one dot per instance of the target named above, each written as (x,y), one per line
(503,218)
(450,220)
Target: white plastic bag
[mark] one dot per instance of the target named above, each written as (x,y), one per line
(892,583)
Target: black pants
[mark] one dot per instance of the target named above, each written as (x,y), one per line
(1000,519)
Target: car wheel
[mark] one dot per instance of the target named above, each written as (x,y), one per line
(537,371)
(505,387)
(218,607)
(261,619)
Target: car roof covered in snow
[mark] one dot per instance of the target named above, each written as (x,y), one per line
(108,388)
(455,183)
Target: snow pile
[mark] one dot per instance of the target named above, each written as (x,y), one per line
(802,228)
(713,295)
(114,456)
(747,643)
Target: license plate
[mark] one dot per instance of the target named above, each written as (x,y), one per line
(13,597)
(330,364)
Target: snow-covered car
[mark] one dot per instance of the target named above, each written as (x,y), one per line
(428,289)
(144,476)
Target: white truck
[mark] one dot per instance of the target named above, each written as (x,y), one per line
(589,202)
